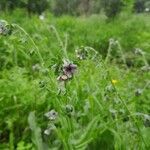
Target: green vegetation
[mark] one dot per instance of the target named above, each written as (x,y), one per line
(74,83)
(76,7)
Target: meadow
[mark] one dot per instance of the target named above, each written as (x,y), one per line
(74,83)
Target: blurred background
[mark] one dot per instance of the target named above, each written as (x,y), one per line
(76,7)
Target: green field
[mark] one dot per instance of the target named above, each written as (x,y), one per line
(74,83)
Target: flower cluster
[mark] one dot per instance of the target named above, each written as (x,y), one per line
(86,53)
(36,68)
(68,70)
(138,92)
(52,116)
(113,42)
(114,81)
(81,53)
(138,51)
(69,109)
(145,68)
(5,28)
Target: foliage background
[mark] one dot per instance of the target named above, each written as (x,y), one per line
(74,7)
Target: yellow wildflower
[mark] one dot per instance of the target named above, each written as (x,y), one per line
(114,81)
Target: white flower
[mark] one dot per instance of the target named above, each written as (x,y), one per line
(51,115)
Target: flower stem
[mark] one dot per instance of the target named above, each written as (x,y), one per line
(37,49)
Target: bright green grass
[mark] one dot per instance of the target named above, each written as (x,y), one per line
(105,116)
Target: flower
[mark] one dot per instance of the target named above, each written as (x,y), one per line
(138,92)
(113,42)
(47,131)
(5,28)
(1,29)
(69,108)
(113,112)
(114,81)
(138,51)
(62,78)
(81,53)
(51,127)
(51,115)
(109,88)
(145,69)
(69,69)
(36,67)
(42,84)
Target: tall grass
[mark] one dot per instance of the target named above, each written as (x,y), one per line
(103,105)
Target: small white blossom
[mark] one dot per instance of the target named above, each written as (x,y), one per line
(51,115)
